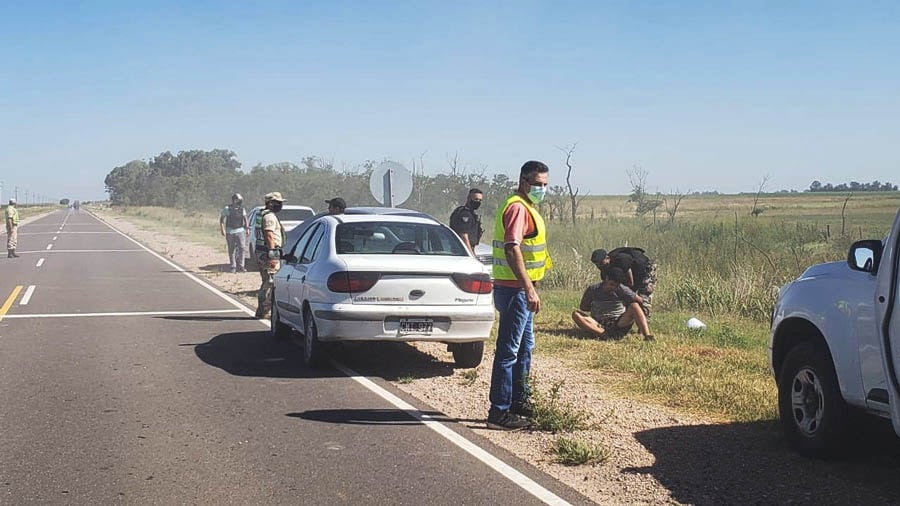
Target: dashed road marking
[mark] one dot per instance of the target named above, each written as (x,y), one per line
(55,237)
(27,297)
(49,246)
(40,263)
(9,301)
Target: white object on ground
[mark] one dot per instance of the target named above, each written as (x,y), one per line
(694,323)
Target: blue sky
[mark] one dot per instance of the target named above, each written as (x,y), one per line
(701,95)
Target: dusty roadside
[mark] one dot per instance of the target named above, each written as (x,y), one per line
(657,455)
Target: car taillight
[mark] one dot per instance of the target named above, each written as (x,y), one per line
(473,283)
(352,282)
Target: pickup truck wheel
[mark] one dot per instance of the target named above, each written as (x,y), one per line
(313,349)
(277,329)
(468,355)
(812,411)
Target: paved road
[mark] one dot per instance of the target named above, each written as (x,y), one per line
(123,379)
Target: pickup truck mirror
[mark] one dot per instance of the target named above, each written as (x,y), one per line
(865,255)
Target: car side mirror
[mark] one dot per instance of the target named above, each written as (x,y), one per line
(865,255)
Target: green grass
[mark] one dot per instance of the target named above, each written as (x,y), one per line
(554,415)
(194,226)
(469,376)
(572,452)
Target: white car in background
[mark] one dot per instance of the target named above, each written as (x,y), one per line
(290,216)
(382,275)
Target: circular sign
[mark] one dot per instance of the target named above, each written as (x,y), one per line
(391,183)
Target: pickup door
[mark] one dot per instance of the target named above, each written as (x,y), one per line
(887,314)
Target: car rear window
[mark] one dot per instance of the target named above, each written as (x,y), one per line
(295,214)
(397,238)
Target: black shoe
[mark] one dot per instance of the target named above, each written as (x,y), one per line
(507,421)
(525,409)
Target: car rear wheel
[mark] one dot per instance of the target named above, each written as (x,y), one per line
(468,355)
(812,411)
(277,329)
(313,349)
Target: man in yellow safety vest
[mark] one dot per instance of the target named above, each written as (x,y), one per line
(520,260)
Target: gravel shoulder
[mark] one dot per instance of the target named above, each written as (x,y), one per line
(657,455)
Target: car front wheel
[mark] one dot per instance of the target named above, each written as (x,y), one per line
(313,349)
(812,411)
(468,355)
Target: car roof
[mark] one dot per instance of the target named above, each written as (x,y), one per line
(387,217)
(286,206)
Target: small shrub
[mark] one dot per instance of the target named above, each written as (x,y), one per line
(553,415)
(405,380)
(468,377)
(571,452)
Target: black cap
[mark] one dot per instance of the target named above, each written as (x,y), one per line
(337,202)
(598,255)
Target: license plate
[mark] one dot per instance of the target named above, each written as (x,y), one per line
(417,326)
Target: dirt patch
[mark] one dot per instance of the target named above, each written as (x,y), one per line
(657,455)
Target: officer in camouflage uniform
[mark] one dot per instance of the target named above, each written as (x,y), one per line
(269,241)
(12,229)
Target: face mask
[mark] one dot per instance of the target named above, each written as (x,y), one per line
(537,193)
(474,204)
(276,206)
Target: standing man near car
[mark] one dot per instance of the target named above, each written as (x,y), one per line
(336,205)
(269,241)
(12,229)
(466,222)
(233,225)
(520,260)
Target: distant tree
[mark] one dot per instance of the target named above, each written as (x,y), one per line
(644,202)
(756,210)
(64,202)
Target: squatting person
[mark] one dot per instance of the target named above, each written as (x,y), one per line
(609,309)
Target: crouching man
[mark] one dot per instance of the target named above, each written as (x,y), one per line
(609,309)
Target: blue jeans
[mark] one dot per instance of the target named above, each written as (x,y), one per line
(515,342)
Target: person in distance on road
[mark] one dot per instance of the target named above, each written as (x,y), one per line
(466,222)
(234,226)
(12,229)
(268,250)
(520,261)
(609,309)
(336,205)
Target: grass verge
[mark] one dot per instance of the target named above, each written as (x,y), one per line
(573,452)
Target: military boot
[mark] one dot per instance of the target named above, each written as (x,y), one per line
(9,253)
(13,252)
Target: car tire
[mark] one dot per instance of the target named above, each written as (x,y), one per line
(468,355)
(277,329)
(813,413)
(313,349)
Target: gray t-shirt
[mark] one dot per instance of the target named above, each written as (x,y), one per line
(603,305)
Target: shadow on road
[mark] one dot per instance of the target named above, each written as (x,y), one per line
(750,463)
(361,416)
(258,354)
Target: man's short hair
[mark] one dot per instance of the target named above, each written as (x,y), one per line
(598,255)
(533,167)
(618,275)
(473,191)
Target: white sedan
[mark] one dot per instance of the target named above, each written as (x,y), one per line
(382,275)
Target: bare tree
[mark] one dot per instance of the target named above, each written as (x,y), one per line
(644,202)
(672,201)
(756,210)
(844,212)
(453,163)
(574,201)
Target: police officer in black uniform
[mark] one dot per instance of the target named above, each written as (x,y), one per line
(466,222)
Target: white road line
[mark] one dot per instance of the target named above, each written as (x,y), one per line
(27,297)
(40,263)
(87,251)
(508,472)
(121,313)
(55,237)
(49,246)
(476,451)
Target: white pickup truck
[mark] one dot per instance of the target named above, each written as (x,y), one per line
(835,345)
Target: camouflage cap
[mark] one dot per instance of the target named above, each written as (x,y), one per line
(274,196)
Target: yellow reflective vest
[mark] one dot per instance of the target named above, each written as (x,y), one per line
(534,248)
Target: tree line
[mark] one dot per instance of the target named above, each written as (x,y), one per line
(199,179)
(853,186)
